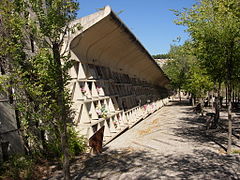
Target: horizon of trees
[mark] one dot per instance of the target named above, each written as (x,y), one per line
(161,56)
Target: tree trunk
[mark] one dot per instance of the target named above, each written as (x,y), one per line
(229,147)
(238,98)
(213,100)
(194,100)
(226,96)
(63,113)
(237,95)
(179,94)
(217,106)
(64,141)
(229,85)
(208,98)
(233,94)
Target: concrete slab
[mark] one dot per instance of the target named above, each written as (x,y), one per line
(170,144)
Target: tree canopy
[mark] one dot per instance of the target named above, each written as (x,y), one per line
(161,56)
(214,26)
(185,71)
(35,66)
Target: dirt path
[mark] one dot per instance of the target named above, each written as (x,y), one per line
(170,144)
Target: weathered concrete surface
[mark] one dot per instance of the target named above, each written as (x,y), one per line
(8,129)
(170,144)
(105,40)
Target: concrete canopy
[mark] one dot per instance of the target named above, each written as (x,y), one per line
(105,40)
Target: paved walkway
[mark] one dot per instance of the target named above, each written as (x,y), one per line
(170,144)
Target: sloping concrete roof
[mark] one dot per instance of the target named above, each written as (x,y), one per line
(105,40)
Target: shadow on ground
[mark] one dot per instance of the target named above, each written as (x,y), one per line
(184,102)
(130,164)
(196,131)
(137,164)
(193,127)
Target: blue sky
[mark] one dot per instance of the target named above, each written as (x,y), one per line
(149,20)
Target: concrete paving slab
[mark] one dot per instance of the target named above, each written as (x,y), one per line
(170,144)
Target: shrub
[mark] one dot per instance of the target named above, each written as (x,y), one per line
(17,167)
(77,144)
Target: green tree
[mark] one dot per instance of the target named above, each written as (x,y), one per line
(31,52)
(161,56)
(214,26)
(177,68)
(198,82)
(54,19)
(186,72)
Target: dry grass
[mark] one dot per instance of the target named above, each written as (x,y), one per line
(145,131)
(129,149)
(154,122)
(236,151)
(221,151)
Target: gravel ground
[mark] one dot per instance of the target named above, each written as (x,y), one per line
(170,144)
